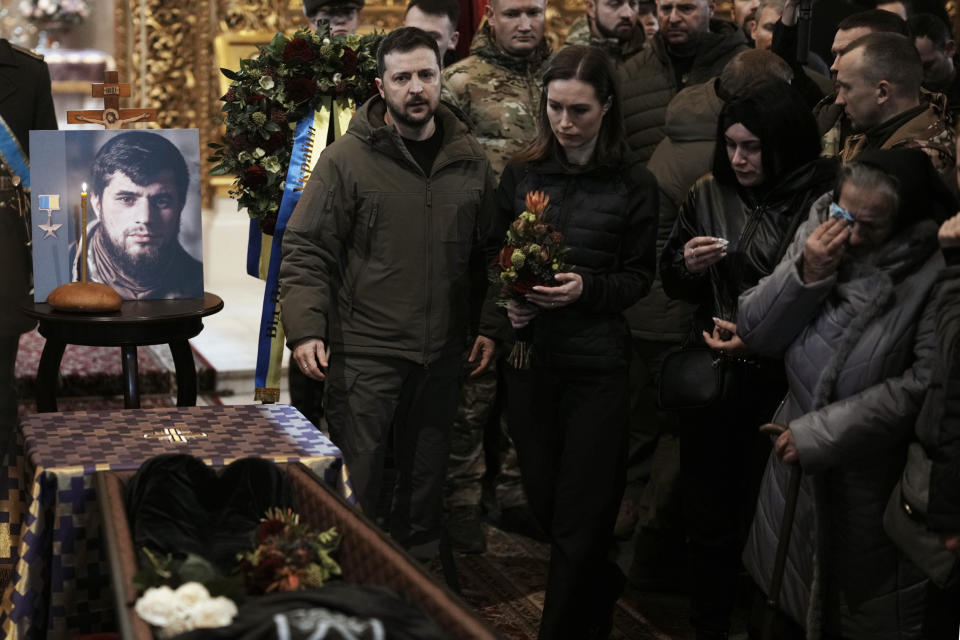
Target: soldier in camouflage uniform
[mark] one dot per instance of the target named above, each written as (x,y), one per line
(612,26)
(497,89)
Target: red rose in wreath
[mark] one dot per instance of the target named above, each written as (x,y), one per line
(298,49)
(255,176)
(300,89)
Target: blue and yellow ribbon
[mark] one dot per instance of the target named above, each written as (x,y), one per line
(263,252)
(12,155)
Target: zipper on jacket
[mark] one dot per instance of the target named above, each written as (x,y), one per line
(366,256)
(428,232)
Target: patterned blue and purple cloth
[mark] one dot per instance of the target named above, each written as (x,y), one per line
(49,519)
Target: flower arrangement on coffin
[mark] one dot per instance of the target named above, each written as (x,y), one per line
(55,12)
(288,79)
(289,556)
(532,254)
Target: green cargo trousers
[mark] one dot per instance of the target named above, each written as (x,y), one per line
(365,395)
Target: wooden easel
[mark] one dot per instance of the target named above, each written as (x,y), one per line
(112,116)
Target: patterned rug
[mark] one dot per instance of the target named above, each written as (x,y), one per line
(506,586)
(97,371)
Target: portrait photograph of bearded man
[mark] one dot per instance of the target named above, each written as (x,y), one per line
(142,194)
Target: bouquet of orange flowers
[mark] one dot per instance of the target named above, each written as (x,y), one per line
(532,254)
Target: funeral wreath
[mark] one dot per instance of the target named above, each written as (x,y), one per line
(271,93)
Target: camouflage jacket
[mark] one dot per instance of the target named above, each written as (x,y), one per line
(931,130)
(499,96)
(620,52)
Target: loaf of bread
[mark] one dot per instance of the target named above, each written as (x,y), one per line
(84,297)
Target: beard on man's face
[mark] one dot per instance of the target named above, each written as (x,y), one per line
(623,30)
(140,266)
(399,111)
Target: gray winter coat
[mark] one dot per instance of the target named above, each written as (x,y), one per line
(858,349)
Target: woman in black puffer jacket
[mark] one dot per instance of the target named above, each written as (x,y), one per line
(732,230)
(568,416)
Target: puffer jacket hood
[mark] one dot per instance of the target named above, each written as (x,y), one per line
(368,124)
(692,114)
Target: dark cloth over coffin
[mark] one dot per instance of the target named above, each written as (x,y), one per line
(176,504)
(373,613)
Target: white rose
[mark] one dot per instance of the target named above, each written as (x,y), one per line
(326,41)
(216,612)
(337,78)
(180,624)
(158,606)
(190,593)
(266,82)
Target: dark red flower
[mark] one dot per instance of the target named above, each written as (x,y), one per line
(274,142)
(525,284)
(300,89)
(268,528)
(255,98)
(229,95)
(350,62)
(268,224)
(278,116)
(298,48)
(255,176)
(238,142)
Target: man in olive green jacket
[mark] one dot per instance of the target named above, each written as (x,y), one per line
(378,261)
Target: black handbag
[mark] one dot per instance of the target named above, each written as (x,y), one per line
(693,378)
(696,377)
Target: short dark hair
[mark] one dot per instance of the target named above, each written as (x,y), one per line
(891,57)
(141,156)
(877,20)
(777,114)
(927,25)
(449,8)
(403,40)
(594,67)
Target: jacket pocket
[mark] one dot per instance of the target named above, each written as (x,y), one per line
(366,228)
(459,220)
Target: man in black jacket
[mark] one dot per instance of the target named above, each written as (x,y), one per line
(25,103)
(690,48)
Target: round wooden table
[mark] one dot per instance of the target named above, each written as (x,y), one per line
(138,323)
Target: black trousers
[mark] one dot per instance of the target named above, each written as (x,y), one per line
(722,457)
(570,430)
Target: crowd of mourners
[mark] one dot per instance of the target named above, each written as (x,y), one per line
(751,357)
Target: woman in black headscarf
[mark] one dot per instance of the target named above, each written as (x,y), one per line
(732,231)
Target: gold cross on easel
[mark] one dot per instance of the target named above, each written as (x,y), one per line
(112,116)
(174,434)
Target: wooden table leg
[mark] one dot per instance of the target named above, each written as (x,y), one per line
(186,373)
(131,377)
(47,375)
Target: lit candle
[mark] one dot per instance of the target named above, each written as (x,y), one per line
(83,232)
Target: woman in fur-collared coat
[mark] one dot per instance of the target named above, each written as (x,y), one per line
(848,308)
